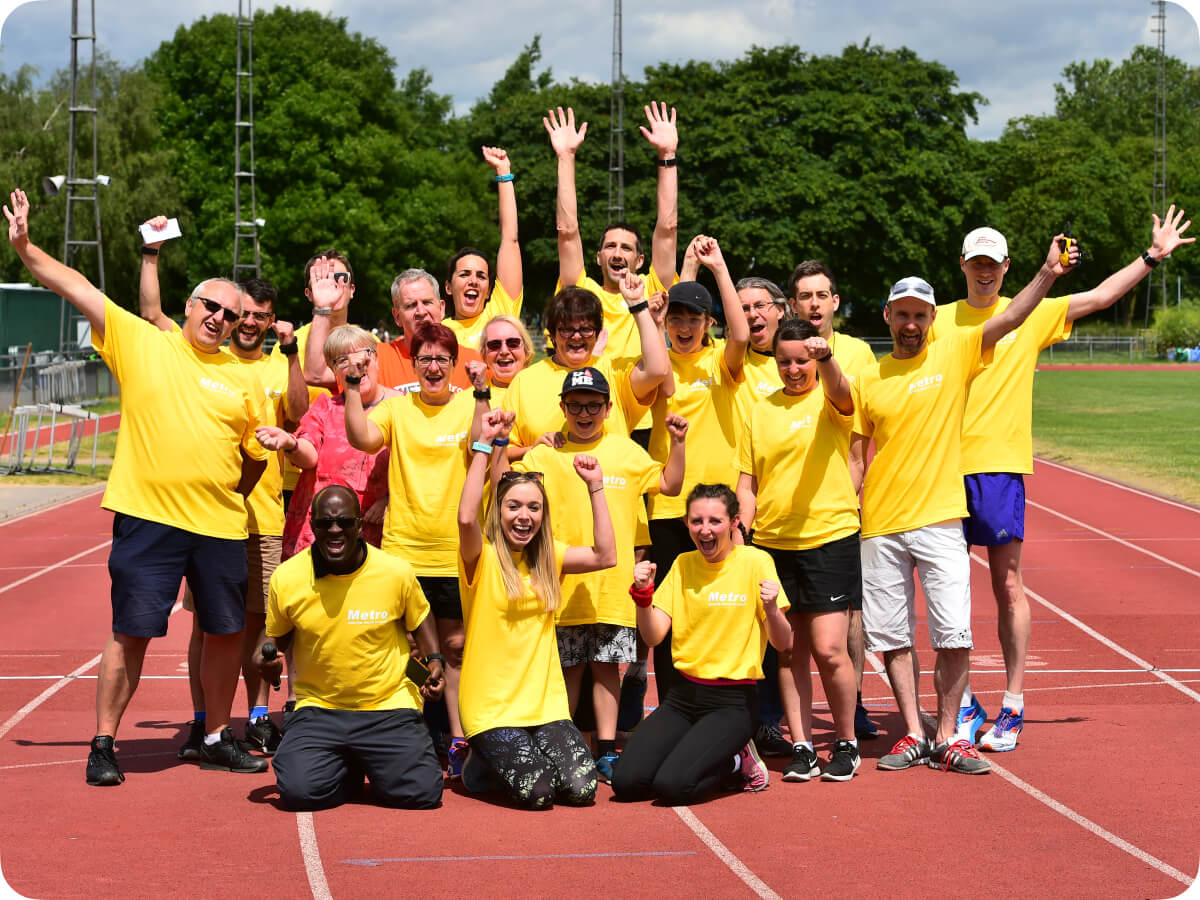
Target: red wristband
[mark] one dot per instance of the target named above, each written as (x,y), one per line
(643,597)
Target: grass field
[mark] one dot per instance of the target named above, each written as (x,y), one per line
(1139,427)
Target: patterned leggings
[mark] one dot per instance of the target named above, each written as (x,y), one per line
(540,764)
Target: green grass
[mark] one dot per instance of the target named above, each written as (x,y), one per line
(1139,427)
(109,405)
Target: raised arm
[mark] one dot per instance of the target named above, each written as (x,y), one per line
(655,365)
(779,632)
(747,495)
(470,535)
(149,297)
(69,284)
(361,433)
(325,295)
(737,329)
(509,272)
(653,623)
(670,483)
(691,265)
(603,552)
(833,380)
(1031,295)
(297,399)
(664,138)
(1167,235)
(566,139)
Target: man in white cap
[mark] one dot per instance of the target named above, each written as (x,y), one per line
(911,401)
(997,439)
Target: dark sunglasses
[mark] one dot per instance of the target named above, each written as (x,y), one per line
(324,523)
(512,475)
(213,307)
(341,276)
(511,343)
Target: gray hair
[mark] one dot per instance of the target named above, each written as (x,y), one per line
(766,284)
(408,276)
(200,289)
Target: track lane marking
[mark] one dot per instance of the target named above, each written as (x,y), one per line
(1117,484)
(99,489)
(50,568)
(739,868)
(312,857)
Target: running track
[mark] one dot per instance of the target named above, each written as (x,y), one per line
(1098,801)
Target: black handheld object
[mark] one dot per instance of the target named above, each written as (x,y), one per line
(416,671)
(269,653)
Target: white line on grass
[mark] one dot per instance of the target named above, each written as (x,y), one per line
(739,868)
(1118,484)
(312,857)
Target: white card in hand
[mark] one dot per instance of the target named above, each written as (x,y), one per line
(153,235)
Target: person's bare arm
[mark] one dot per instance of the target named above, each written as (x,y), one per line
(509,271)
(670,483)
(566,140)
(747,495)
(426,638)
(470,535)
(325,296)
(737,329)
(252,470)
(779,632)
(361,433)
(296,400)
(664,138)
(653,623)
(149,296)
(300,452)
(603,552)
(1030,296)
(69,284)
(833,380)
(655,365)
(858,461)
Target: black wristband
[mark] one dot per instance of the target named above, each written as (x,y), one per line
(826,358)
(1149,260)
(289,349)
(485,394)
(668,163)
(355,380)
(432,656)
(638,307)
(149,251)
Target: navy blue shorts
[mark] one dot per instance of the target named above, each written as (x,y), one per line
(996,509)
(147,562)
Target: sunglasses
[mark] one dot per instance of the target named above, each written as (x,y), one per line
(511,343)
(324,523)
(592,407)
(512,475)
(341,276)
(213,307)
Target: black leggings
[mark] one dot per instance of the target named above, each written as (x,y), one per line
(686,746)
(541,764)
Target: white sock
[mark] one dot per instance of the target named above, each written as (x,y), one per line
(737,762)
(213,738)
(854,743)
(967,695)
(798,744)
(1015,702)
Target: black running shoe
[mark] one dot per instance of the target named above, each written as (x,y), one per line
(229,754)
(843,763)
(771,742)
(195,740)
(262,735)
(803,765)
(102,767)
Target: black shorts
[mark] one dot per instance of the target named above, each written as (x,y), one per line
(146,564)
(824,579)
(443,597)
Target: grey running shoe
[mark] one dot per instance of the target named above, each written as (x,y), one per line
(958,756)
(908,752)
(803,765)
(229,754)
(843,763)
(102,767)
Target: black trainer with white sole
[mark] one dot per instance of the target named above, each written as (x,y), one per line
(843,763)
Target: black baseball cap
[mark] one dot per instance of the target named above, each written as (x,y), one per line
(691,294)
(588,378)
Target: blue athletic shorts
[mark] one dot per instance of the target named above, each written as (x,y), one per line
(996,509)
(147,562)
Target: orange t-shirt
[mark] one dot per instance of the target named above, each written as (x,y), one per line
(396,368)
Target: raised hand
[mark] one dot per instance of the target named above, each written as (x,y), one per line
(643,574)
(1054,256)
(564,136)
(18,219)
(477,372)
(768,591)
(662,133)
(553,439)
(633,288)
(658,307)
(677,427)
(708,251)
(497,158)
(285,331)
(588,468)
(324,287)
(497,424)
(158,223)
(816,347)
(1168,234)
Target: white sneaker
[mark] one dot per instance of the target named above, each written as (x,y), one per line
(1002,736)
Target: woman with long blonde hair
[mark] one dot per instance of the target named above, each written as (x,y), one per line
(512,698)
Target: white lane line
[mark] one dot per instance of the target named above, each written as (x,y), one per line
(1113,537)
(726,856)
(79,762)
(99,489)
(1061,809)
(45,695)
(1118,484)
(1110,644)
(312,857)
(58,565)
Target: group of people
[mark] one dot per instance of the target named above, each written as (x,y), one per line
(375,519)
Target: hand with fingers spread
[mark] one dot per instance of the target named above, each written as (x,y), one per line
(565,138)
(497,158)
(633,288)
(1168,233)
(18,219)
(275,438)
(326,292)
(662,133)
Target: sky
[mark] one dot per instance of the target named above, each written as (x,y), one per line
(1013,58)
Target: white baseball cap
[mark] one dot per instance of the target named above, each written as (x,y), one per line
(911,286)
(985,242)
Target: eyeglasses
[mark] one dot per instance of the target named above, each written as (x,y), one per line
(511,343)
(592,407)
(586,332)
(513,475)
(343,362)
(324,523)
(259,316)
(424,362)
(214,307)
(758,308)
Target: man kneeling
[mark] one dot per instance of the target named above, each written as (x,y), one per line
(342,609)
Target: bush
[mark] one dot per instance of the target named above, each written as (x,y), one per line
(1177,326)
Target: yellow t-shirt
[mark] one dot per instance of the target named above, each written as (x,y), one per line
(629,472)
(705,395)
(852,355)
(797,447)
(536,391)
(914,410)
(264,506)
(426,471)
(997,433)
(718,624)
(623,348)
(511,675)
(184,416)
(291,474)
(349,650)
(500,303)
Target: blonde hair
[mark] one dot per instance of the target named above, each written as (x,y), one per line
(543,570)
(515,323)
(346,338)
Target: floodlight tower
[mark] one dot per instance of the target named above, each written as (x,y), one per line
(1158,204)
(80,189)
(247,260)
(616,128)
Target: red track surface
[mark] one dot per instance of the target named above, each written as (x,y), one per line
(1108,748)
(46,437)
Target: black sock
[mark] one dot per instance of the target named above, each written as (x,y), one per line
(603,747)
(858,698)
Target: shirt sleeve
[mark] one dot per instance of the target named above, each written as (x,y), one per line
(278,621)
(381,415)
(666,594)
(416,607)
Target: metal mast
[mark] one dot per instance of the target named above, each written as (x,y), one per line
(616,130)
(81,189)
(1158,278)
(247,261)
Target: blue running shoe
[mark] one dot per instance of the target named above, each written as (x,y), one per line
(970,720)
(456,757)
(604,766)
(863,726)
(1004,733)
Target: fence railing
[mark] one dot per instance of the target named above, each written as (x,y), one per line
(1072,349)
(74,378)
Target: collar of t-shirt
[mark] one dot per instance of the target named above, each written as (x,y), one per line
(321,567)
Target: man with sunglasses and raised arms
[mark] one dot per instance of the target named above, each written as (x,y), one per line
(342,609)
(186,459)
(911,401)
